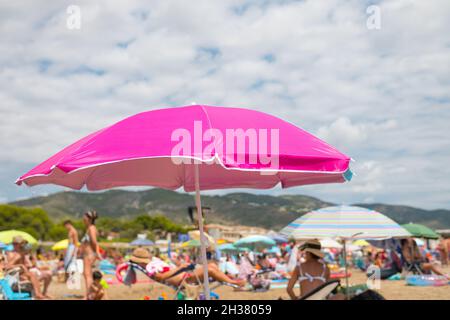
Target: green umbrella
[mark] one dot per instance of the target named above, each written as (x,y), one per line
(420,231)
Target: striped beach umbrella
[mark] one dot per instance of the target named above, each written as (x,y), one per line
(344,222)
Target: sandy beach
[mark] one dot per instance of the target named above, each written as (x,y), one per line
(391,290)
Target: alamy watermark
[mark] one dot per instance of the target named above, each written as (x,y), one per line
(373,21)
(373,277)
(73,21)
(238,146)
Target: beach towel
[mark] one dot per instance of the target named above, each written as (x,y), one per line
(293,259)
(70,255)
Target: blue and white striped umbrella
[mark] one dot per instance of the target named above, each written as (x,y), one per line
(344,222)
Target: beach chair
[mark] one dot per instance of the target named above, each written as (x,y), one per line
(322,291)
(130,277)
(18,285)
(9,294)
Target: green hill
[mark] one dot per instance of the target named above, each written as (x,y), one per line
(266,211)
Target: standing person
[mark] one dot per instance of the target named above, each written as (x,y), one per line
(90,249)
(443,251)
(71,252)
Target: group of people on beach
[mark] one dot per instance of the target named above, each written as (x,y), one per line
(305,263)
(26,263)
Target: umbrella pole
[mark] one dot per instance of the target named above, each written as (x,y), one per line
(204,261)
(346,273)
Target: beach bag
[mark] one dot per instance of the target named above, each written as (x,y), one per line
(74,275)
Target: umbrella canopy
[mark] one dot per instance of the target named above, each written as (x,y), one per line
(361,243)
(7,236)
(61,245)
(141,242)
(255,243)
(278,238)
(191,244)
(196,147)
(139,151)
(345,222)
(330,243)
(420,231)
(229,247)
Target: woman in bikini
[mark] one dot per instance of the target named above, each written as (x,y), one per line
(89,249)
(311,273)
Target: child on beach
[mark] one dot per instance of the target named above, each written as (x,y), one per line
(96,290)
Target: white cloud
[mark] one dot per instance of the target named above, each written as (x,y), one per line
(381,96)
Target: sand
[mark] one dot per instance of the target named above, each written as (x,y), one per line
(391,290)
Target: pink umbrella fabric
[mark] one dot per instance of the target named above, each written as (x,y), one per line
(169,148)
(237,148)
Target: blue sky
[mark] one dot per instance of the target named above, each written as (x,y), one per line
(381,96)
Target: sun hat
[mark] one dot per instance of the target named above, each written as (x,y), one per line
(140,255)
(18,239)
(313,247)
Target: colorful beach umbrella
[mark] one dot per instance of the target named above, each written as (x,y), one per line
(278,238)
(61,245)
(230,248)
(344,222)
(196,147)
(142,242)
(255,243)
(361,243)
(7,236)
(192,244)
(420,231)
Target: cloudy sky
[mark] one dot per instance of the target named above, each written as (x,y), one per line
(380,95)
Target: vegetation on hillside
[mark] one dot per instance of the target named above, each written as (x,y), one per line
(272,212)
(37,222)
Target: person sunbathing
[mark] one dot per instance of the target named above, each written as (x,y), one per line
(312,273)
(17,259)
(412,256)
(175,275)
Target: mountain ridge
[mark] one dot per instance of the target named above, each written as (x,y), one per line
(239,208)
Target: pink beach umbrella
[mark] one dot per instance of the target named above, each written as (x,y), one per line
(196,147)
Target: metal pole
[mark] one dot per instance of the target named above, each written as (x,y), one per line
(204,261)
(345,266)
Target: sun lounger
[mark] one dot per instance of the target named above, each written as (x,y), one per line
(9,294)
(322,291)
